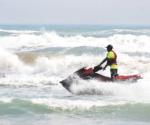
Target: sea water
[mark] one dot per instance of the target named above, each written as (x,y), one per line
(34,58)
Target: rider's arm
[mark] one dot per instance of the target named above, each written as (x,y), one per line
(104,60)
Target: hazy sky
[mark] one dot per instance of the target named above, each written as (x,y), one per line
(75,12)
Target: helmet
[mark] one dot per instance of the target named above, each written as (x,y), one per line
(109,47)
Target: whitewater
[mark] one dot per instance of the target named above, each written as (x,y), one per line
(33,59)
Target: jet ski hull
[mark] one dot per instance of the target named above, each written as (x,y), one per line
(88,74)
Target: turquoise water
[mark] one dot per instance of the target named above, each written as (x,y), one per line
(34,58)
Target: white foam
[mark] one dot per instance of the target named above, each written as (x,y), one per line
(54,69)
(134,92)
(122,43)
(66,104)
(10,63)
(6,99)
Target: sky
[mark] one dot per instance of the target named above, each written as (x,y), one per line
(132,12)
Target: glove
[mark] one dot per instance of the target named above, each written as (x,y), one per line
(96,68)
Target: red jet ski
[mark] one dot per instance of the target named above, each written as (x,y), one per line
(90,73)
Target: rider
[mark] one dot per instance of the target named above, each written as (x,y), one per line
(111,60)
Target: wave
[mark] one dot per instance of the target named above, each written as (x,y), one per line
(104,109)
(60,64)
(32,42)
(18,31)
(46,59)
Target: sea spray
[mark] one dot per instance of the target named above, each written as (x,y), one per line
(34,61)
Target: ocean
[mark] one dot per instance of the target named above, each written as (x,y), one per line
(35,58)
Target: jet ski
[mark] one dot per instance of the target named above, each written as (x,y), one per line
(90,73)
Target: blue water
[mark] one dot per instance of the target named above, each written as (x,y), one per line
(34,58)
